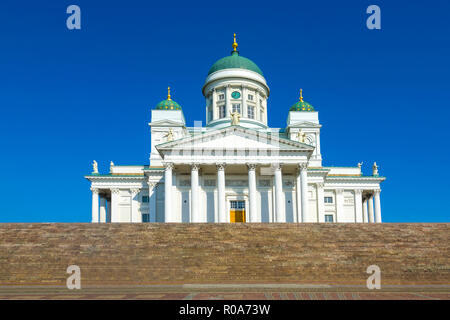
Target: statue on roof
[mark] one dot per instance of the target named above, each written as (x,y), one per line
(360,165)
(235,118)
(169,135)
(111,165)
(94,167)
(375,169)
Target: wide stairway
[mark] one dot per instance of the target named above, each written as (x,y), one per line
(144,254)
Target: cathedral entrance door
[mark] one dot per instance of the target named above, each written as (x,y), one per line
(237,211)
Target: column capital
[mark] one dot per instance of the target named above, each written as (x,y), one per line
(115,190)
(339,191)
(152,184)
(320,185)
(168,165)
(358,191)
(303,165)
(251,166)
(95,190)
(220,166)
(376,191)
(277,166)
(195,166)
(135,191)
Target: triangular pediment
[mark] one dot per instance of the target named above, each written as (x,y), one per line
(166,123)
(237,138)
(304,124)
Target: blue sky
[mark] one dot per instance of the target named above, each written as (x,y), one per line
(68,97)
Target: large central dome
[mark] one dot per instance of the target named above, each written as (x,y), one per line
(235,61)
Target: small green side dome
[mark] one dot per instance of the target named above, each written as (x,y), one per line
(168,104)
(302,105)
(235,61)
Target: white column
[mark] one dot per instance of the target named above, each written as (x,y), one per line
(135,216)
(370,203)
(377,206)
(280,215)
(221,192)
(339,204)
(114,205)
(244,102)
(258,105)
(94,205)
(254,217)
(365,215)
(320,203)
(304,190)
(227,101)
(152,200)
(102,209)
(298,193)
(168,214)
(195,212)
(214,104)
(358,206)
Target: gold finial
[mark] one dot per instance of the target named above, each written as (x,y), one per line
(168,93)
(301,95)
(235,45)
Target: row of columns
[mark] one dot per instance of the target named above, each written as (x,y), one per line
(253,216)
(372,207)
(243,100)
(104,210)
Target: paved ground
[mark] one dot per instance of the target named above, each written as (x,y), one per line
(227,292)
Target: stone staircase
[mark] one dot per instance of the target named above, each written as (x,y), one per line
(144,254)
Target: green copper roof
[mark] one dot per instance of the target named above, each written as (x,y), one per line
(302,106)
(168,105)
(235,61)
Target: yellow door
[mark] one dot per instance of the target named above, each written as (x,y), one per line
(237,211)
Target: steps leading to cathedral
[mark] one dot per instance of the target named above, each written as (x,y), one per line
(133,254)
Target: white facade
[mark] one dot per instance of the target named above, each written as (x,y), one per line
(235,173)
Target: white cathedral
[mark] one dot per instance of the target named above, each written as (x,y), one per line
(236,168)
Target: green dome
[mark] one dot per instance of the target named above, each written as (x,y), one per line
(302,105)
(168,104)
(235,61)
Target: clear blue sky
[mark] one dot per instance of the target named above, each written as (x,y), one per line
(68,97)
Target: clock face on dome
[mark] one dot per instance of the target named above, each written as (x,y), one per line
(235,95)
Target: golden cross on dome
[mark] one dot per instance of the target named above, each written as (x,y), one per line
(301,95)
(235,45)
(168,93)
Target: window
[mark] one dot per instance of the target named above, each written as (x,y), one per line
(328,199)
(262,115)
(328,218)
(251,112)
(237,204)
(145,217)
(145,199)
(236,107)
(221,97)
(222,112)
(250,97)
